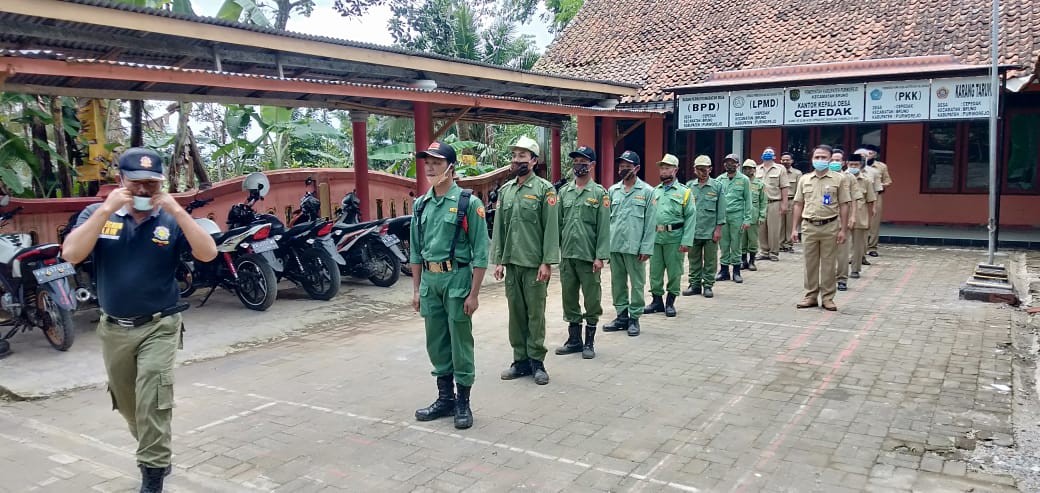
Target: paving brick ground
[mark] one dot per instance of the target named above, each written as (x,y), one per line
(739,393)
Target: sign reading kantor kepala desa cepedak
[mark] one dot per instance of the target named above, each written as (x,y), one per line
(938,99)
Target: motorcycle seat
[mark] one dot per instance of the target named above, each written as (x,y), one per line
(350,228)
(299,229)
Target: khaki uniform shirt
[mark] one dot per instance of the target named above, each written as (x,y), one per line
(793,175)
(527,226)
(822,195)
(584,222)
(675,205)
(633,224)
(874,176)
(775,178)
(886,179)
(864,194)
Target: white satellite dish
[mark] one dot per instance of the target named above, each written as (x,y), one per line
(257,181)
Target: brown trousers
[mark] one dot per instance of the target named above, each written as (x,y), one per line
(875,225)
(859,248)
(769,234)
(821,251)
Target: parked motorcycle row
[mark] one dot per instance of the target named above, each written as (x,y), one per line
(255,253)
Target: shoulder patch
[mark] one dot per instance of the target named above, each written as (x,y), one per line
(480,211)
(551,199)
(606,201)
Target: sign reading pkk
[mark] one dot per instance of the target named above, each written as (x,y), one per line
(703,111)
(897,101)
(824,104)
(962,98)
(764,108)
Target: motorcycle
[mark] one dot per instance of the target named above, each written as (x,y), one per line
(35,287)
(368,249)
(84,280)
(306,253)
(349,212)
(243,265)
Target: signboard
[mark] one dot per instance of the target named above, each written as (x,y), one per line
(824,104)
(961,98)
(697,111)
(763,108)
(897,101)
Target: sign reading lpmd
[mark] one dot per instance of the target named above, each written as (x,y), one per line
(764,108)
(703,111)
(961,98)
(897,101)
(824,104)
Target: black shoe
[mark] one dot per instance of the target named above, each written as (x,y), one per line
(589,352)
(854,275)
(751,264)
(633,327)
(692,290)
(152,479)
(463,414)
(516,370)
(872,254)
(743,261)
(708,293)
(774,257)
(763,256)
(541,377)
(655,306)
(864,262)
(723,274)
(444,405)
(573,344)
(618,324)
(669,306)
(842,286)
(736,275)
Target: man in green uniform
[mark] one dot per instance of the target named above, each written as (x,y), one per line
(711,216)
(632,226)
(136,238)
(526,244)
(449,257)
(749,238)
(676,213)
(738,217)
(584,246)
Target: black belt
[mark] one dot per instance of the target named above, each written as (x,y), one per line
(444,266)
(134,322)
(881,192)
(775,200)
(820,222)
(670,227)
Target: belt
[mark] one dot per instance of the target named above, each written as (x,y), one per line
(444,266)
(774,200)
(669,227)
(881,192)
(820,222)
(134,322)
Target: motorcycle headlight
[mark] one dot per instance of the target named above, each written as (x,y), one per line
(244,245)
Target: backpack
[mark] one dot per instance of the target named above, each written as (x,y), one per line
(460,218)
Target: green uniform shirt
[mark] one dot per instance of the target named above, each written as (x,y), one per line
(738,197)
(675,205)
(527,226)
(632,219)
(711,207)
(438,230)
(759,202)
(584,222)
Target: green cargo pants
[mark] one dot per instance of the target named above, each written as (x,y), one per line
(525,295)
(666,257)
(577,274)
(703,263)
(626,269)
(730,241)
(749,240)
(449,331)
(139,362)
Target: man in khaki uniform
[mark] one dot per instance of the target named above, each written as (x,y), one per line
(775,178)
(859,222)
(822,201)
(886,181)
(845,249)
(874,176)
(793,175)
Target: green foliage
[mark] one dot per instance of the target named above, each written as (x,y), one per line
(561,13)
(246,11)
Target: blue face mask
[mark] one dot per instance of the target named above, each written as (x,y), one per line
(835,166)
(768,156)
(821,165)
(854,171)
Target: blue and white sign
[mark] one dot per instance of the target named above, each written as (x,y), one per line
(897,101)
(824,104)
(763,108)
(961,98)
(699,111)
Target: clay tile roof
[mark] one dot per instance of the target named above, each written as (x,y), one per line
(673,43)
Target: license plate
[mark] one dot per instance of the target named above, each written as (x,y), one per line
(390,239)
(264,246)
(53,272)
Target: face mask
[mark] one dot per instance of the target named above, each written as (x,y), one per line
(731,168)
(870,162)
(523,169)
(627,173)
(854,171)
(581,170)
(667,178)
(768,156)
(142,203)
(835,166)
(821,165)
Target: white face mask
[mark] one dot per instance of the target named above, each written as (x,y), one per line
(142,203)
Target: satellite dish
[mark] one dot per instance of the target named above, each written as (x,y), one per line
(4,200)
(257,181)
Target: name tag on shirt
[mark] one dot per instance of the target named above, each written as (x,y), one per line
(111,230)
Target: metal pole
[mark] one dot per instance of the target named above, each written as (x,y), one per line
(994,111)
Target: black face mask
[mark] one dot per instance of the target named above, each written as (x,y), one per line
(626,174)
(523,169)
(581,170)
(731,168)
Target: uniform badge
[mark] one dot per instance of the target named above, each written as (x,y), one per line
(606,201)
(480,211)
(532,197)
(111,230)
(592,201)
(161,236)
(146,162)
(453,210)
(640,197)
(551,200)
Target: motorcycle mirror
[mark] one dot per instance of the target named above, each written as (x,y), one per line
(257,182)
(4,200)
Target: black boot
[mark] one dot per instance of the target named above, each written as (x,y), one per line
(751,263)
(445,403)
(743,261)
(541,377)
(463,414)
(573,344)
(736,275)
(723,274)
(589,352)
(669,306)
(633,327)
(692,290)
(655,306)
(152,479)
(516,370)
(619,323)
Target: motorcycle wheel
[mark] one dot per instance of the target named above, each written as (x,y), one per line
(406,268)
(57,322)
(321,278)
(387,267)
(257,286)
(185,279)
